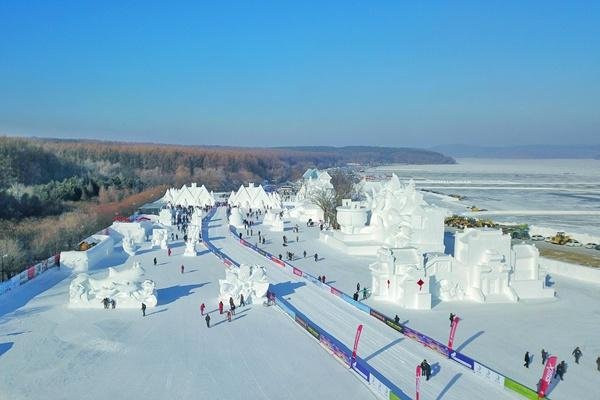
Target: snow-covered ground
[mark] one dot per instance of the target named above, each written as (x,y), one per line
(496,334)
(49,351)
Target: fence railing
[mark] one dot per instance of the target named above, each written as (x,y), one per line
(26,275)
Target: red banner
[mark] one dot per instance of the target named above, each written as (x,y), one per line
(547,376)
(452,332)
(30,272)
(418,382)
(297,272)
(356,339)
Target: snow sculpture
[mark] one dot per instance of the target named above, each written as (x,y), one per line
(235,218)
(248,280)
(81,261)
(138,231)
(399,276)
(189,196)
(399,217)
(254,197)
(193,236)
(314,182)
(129,245)
(160,238)
(273,220)
(484,269)
(127,288)
(165,217)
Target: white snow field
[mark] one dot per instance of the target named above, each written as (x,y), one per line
(50,351)
(497,335)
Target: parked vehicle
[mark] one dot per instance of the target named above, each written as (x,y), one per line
(538,238)
(590,245)
(574,243)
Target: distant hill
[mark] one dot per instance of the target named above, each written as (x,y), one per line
(528,151)
(375,154)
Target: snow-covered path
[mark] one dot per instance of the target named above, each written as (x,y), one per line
(384,348)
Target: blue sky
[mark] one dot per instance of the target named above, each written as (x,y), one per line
(249,73)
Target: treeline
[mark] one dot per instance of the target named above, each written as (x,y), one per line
(33,239)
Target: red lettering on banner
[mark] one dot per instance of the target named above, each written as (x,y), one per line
(547,376)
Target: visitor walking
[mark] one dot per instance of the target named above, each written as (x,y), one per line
(577,353)
(155,261)
(182,268)
(426,369)
(231,305)
(233,309)
(143,310)
(228,316)
(561,369)
(242,302)
(304,253)
(323,278)
(364,293)
(358,287)
(598,363)
(397,319)
(316,257)
(202,308)
(452,318)
(527,359)
(113,303)
(355,296)
(207,319)
(169,252)
(220,307)
(544,356)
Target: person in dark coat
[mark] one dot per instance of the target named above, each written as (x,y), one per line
(207,319)
(231,304)
(577,354)
(397,319)
(560,370)
(426,369)
(323,279)
(527,359)
(358,287)
(242,302)
(598,363)
(452,318)
(316,257)
(113,303)
(155,261)
(355,296)
(304,253)
(143,310)
(544,356)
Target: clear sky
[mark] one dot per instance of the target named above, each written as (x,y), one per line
(396,73)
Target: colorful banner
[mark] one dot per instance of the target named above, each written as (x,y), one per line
(418,382)
(297,272)
(453,327)
(356,339)
(462,359)
(547,376)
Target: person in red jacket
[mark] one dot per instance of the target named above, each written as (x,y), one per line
(220,307)
(202,307)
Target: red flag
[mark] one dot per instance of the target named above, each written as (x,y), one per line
(356,339)
(453,332)
(418,381)
(547,376)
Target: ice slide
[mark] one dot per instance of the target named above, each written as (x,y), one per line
(386,350)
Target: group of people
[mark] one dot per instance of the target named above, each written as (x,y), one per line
(561,368)
(356,295)
(108,303)
(229,313)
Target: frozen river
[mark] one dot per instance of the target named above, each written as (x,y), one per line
(559,194)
